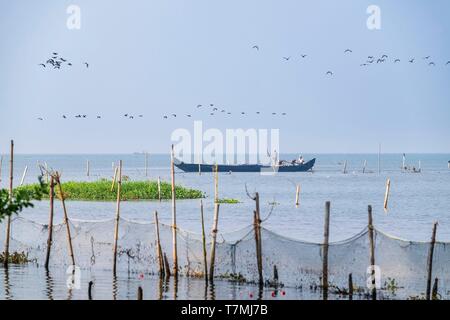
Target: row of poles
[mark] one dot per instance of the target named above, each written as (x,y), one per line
(164,268)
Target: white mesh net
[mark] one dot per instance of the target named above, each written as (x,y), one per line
(403,264)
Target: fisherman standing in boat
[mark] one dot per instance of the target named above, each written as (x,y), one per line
(300,160)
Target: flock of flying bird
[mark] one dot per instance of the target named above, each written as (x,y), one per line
(85,116)
(57,62)
(370,59)
(213,110)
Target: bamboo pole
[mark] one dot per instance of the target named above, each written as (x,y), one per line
(90,290)
(386,194)
(350,287)
(140,293)
(326,235)
(372,251)
(434,293)
(116,228)
(158,246)
(66,218)
(205,262)
(50,222)
(159,188)
(345,167)
(87,168)
(297,196)
(116,171)
(364,166)
(8,219)
(174,216)
(216,183)
(430,261)
(146,164)
(23,175)
(1,166)
(258,240)
(166,266)
(213,242)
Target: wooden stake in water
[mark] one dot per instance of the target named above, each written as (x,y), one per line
(8,219)
(50,222)
(116,171)
(326,234)
(216,183)
(116,228)
(159,188)
(434,293)
(205,262)
(297,196)
(23,175)
(87,168)
(174,216)
(1,166)
(386,194)
(372,251)
(430,261)
(158,246)
(364,166)
(146,164)
(166,266)
(140,293)
(350,287)
(258,240)
(345,167)
(213,242)
(57,178)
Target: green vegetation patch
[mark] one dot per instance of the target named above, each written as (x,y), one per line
(131,190)
(228,201)
(15,258)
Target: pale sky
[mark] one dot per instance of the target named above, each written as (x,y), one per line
(156,58)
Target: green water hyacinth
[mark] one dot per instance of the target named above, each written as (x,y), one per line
(131,190)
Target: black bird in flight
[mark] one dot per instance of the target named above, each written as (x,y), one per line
(141,116)
(396,60)
(69,64)
(165,117)
(174,115)
(448,62)
(257,112)
(62,59)
(255,47)
(98,117)
(412,60)
(55,53)
(242,112)
(329,73)
(384,56)
(199,106)
(427,57)
(125,115)
(211,104)
(348,51)
(303,55)
(40,119)
(87,64)
(188,115)
(284,113)
(274,113)
(432,64)
(64,117)
(84,116)
(370,57)
(212,113)
(214,109)
(41,64)
(286,58)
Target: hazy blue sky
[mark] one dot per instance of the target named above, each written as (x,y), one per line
(167,56)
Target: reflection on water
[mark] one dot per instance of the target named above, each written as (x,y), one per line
(32,282)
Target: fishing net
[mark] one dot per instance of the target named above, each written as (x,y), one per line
(402,264)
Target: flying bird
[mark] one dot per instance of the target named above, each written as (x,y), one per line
(141,116)
(284,113)
(427,57)
(432,64)
(384,56)
(329,73)
(396,60)
(40,119)
(87,64)
(214,109)
(41,64)
(199,106)
(64,117)
(370,57)
(188,115)
(303,55)
(55,53)
(69,64)
(255,47)
(174,115)
(448,62)
(274,113)
(348,51)
(286,58)
(242,112)
(411,61)
(99,117)
(165,117)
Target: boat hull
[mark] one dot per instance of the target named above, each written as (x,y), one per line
(194,167)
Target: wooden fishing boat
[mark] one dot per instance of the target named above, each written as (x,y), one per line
(283,167)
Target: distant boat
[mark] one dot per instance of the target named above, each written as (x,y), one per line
(283,167)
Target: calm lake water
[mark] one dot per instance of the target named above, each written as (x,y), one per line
(416,201)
